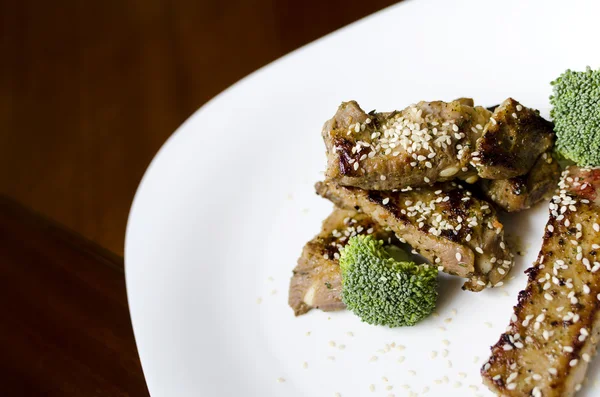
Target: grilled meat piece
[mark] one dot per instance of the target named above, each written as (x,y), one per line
(556,323)
(422,144)
(521,192)
(444,223)
(512,141)
(317,280)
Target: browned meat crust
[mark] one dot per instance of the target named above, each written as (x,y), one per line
(445,224)
(316,280)
(521,192)
(556,323)
(512,141)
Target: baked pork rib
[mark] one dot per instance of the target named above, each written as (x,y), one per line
(425,143)
(556,324)
(431,142)
(316,280)
(444,223)
(512,141)
(521,192)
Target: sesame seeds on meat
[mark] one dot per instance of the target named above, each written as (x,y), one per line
(547,346)
(425,143)
(440,224)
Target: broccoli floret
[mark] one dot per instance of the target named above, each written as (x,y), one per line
(576,114)
(382,290)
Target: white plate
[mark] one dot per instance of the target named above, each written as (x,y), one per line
(229,202)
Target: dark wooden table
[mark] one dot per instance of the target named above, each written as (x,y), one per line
(89,91)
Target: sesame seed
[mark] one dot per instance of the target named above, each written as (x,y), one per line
(385,201)
(596,227)
(382,177)
(458,256)
(586,357)
(371,388)
(511,386)
(540,318)
(305,365)
(553,371)
(478,249)
(445,353)
(401,359)
(511,377)
(573,362)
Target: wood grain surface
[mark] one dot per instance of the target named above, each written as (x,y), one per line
(90,90)
(65,328)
